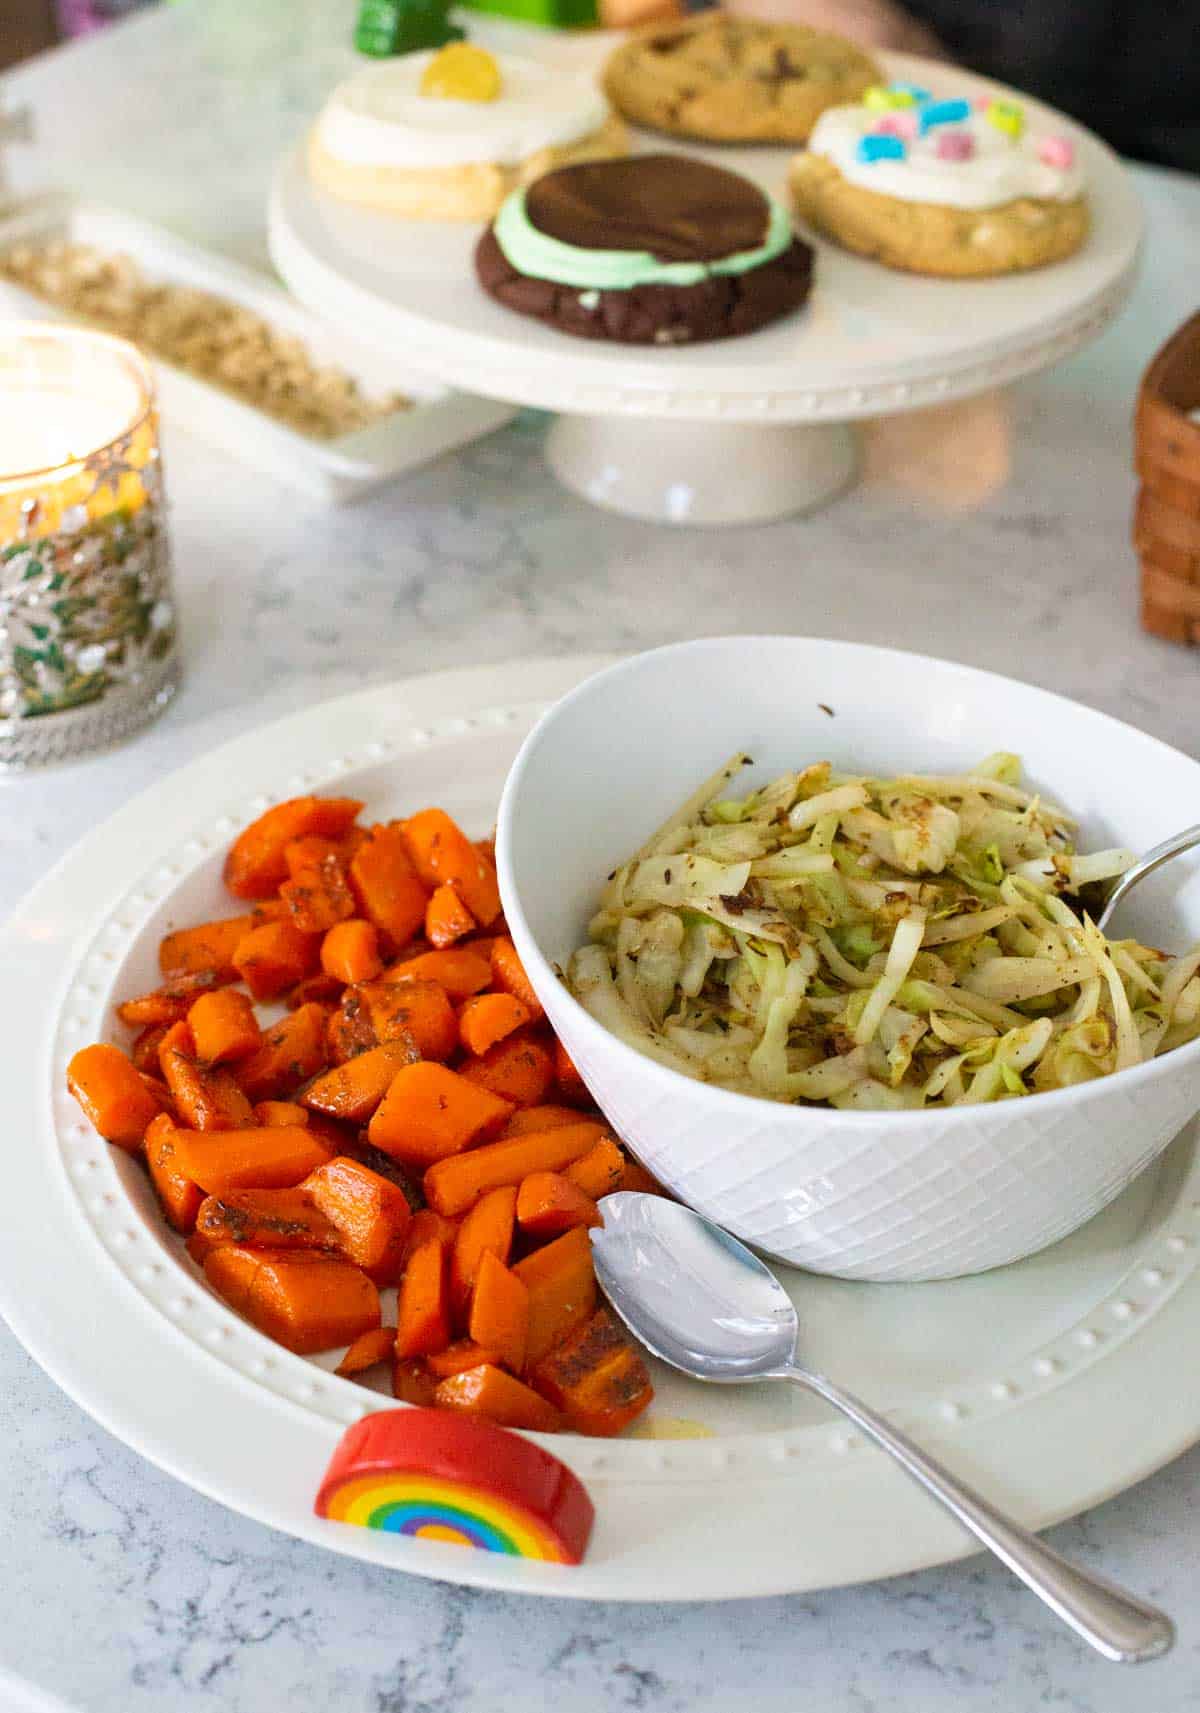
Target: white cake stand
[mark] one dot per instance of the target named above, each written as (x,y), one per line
(742,429)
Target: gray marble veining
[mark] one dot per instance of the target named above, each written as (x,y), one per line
(995,532)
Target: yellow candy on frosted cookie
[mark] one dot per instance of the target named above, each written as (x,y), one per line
(961,187)
(447,135)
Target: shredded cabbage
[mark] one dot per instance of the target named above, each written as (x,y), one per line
(877,944)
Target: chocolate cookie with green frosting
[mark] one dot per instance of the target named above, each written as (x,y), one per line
(648,250)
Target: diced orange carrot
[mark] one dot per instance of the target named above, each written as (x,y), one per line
(458,969)
(488,1018)
(224,1026)
(519,1068)
(412,1383)
(318,895)
(368,1350)
(144,1051)
(636,1177)
(442,854)
(352,1091)
(487,1228)
(207,948)
(422,1308)
(303,855)
(270,1159)
(205,1099)
(571,1086)
(268,910)
(427,1227)
(179,1197)
(168,1003)
(350,1030)
(452,1185)
(490,1392)
(418,1012)
(508,974)
(447,918)
(561,1283)
(112,1094)
(596,1377)
(319,989)
(600,1171)
(386,886)
(457,1357)
(499,1318)
(265,1219)
(292,1051)
(256,864)
(305,1302)
(532,1118)
(270,1114)
(275,957)
(350,951)
(430,1112)
(370,1214)
(549,1203)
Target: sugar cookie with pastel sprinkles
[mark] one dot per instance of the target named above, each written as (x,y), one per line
(961,188)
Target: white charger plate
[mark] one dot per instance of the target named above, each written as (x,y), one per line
(1052,1384)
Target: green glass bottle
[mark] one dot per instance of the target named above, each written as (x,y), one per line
(388,27)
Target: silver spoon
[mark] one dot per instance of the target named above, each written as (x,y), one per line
(703,1302)
(1153,859)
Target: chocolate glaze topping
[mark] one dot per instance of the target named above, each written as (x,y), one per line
(677,208)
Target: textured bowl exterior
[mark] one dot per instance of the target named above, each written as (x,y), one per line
(879,1196)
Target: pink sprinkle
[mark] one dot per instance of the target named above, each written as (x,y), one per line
(900,123)
(954,146)
(1056,152)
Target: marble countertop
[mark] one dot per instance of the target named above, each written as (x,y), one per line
(995,532)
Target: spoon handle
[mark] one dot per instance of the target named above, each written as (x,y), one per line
(1116,1624)
(1152,860)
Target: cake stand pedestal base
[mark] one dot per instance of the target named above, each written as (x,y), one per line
(701,472)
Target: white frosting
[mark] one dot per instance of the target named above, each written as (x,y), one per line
(379,118)
(1000,170)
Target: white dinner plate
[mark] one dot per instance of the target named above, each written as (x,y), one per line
(1052,1384)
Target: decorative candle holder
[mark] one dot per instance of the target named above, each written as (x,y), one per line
(87,619)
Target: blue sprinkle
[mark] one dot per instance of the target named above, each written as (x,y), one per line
(913,89)
(942,113)
(885,148)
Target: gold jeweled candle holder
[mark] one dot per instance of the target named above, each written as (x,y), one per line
(87,619)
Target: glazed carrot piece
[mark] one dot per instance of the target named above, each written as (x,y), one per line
(265,1219)
(418,1012)
(112,1094)
(268,910)
(318,895)
(167,1004)
(224,1026)
(350,1030)
(452,1185)
(412,1383)
(486,1229)
(570,1085)
(636,1177)
(178,1196)
(490,1392)
(430,1112)
(319,989)
(508,974)
(274,957)
(144,1051)
(458,969)
(370,1215)
(276,1158)
(304,855)
(205,949)
(447,918)
(600,1171)
(350,951)
(443,855)
(596,1377)
(422,1308)
(305,1302)
(519,1068)
(386,886)
(256,864)
(368,1350)
(205,1099)
(292,1051)
(375,1160)
(488,1018)
(561,1283)
(549,1203)
(352,1091)
(499,1318)
(270,1114)
(427,1227)
(533,1118)
(457,1357)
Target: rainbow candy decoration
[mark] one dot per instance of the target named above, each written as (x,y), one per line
(453,1479)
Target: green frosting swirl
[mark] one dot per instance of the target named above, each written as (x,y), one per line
(542,257)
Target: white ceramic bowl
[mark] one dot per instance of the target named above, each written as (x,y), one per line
(882,1196)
